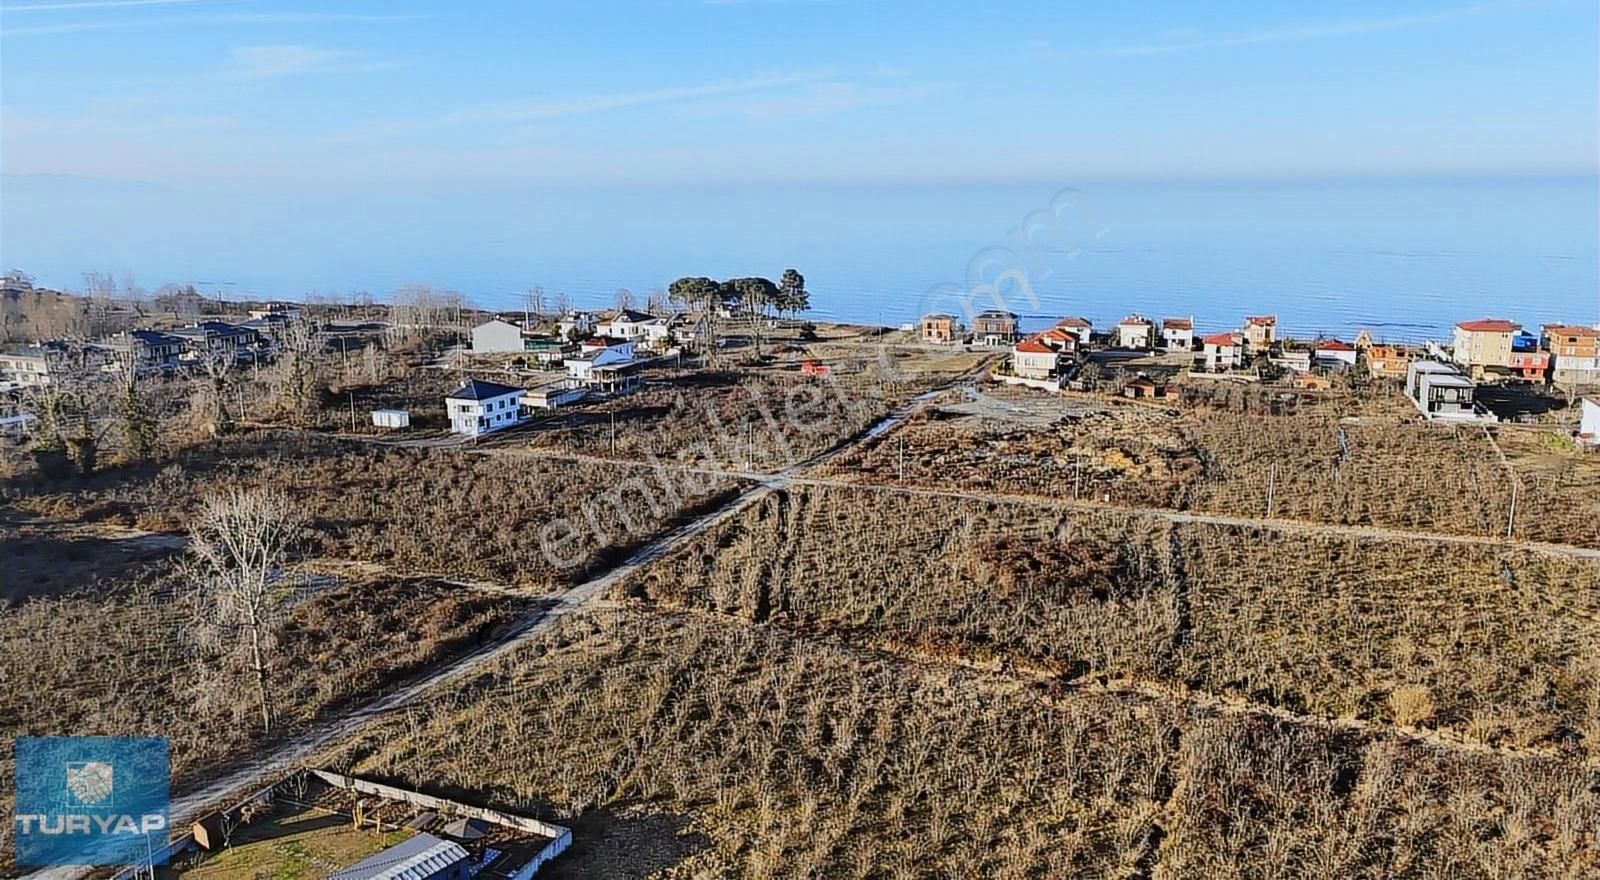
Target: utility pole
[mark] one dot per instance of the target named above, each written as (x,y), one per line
(1511,518)
(352,412)
(902,459)
(613,432)
(1272,479)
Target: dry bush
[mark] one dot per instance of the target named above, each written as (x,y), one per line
(1127,454)
(1502,641)
(123,663)
(1256,799)
(445,512)
(694,746)
(745,752)
(1062,591)
(765,420)
(1398,472)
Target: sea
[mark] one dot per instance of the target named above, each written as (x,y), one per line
(1402,257)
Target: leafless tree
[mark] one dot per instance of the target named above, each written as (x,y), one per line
(624,299)
(241,541)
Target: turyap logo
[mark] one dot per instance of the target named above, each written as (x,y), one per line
(91,800)
(89,781)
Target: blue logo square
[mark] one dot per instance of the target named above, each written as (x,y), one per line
(91,800)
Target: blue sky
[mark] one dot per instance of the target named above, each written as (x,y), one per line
(269,94)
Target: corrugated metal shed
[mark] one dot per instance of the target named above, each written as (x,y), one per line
(423,857)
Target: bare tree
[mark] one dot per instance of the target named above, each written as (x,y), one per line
(138,421)
(624,299)
(241,541)
(532,305)
(563,303)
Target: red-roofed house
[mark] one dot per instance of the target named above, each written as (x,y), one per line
(1033,359)
(1333,353)
(1261,331)
(1484,343)
(1177,334)
(1079,327)
(1576,353)
(1135,331)
(1223,351)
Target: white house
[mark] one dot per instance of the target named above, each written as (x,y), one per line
(1589,423)
(496,337)
(1135,331)
(583,322)
(1177,334)
(599,362)
(1079,327)
(1223,352)
(640,327)
(1032,359)
(1333,354)
(480,407)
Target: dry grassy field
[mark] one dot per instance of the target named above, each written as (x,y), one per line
(762,419)
(447,512)
(690,746)
(1492,646)
(124,661)
(1351,461)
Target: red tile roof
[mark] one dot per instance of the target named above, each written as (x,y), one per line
(1058,335)
(1221,339)
(1034,346)
(1073,322)
(1333,345)
(1571,330)
(1178,323)
(1490,325)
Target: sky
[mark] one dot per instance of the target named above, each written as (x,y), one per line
(269,95)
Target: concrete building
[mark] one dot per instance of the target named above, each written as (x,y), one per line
(497,337)
(1332,354)
(994,327)
(1388,361)
(480,407)
(1260,331)
(1440,391)
(1589,423)
(1482,344)
(1177,334)
(150,350)
(1575,354)
(939,329)
(1223,352)
(1529,362)
(34,366)
(1079,327)
(1032,359)
(1136,331)
(642,328)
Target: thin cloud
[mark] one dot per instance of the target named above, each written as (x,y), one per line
(226,18)
(516,112)
(268,62)
(1304,32)
(93,4)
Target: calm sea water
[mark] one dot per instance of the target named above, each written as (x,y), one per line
(1406,257)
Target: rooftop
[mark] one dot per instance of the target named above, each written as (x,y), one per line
(417,858)
(1572,330)
(1074,321)
(1490,325)
(1221,339)
(478,389)
(1034,346)
(1178,323)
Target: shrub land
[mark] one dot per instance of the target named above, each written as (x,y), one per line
(1362,463)
(125,662)
(696,746)
(447,512)
(1491,645)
